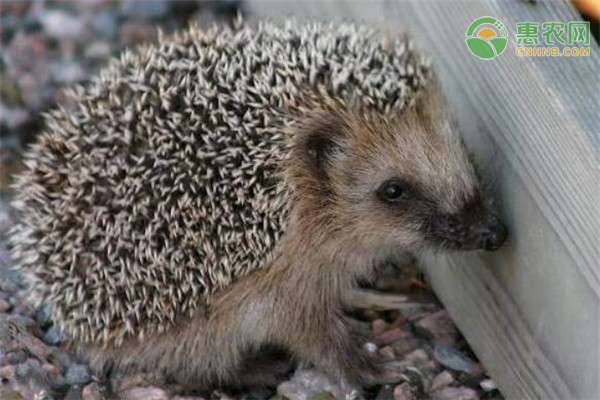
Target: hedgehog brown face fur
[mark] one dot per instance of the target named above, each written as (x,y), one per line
(381,183)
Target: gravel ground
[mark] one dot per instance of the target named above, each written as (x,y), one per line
(48,45)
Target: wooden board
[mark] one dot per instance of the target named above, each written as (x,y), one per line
(531,311)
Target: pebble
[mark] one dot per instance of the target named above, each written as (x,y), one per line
(488,385)
(77,374)
(13,117)
(54,336)
(67,72)
(61,25)
(405,345)
(438,326)
(8,372)
(98,50)
(455,393)
(14,357)
(378,326)
(404,392)
(51,369)
(105,24)
(418,356)
(370,347)
(451,358)
(442,380)
(387,353)
(4,306)
(92,392)
(42,316)
(146,393)
(390,336)
(306,383)
(144,8)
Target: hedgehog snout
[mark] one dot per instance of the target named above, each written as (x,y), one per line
(492,235)
(454,232)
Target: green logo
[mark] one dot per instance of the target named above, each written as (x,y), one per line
(486,38)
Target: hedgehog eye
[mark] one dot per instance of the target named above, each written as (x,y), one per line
(393,191)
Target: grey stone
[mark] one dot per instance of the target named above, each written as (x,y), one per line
(306,383)
(451,358)
(54,336)
(144,393)
(144,8)
(67,71)
(105,24)
(61,25)
(42,316)
(77,374)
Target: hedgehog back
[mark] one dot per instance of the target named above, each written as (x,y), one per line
(158,183)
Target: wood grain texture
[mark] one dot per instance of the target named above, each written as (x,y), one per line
(531,311)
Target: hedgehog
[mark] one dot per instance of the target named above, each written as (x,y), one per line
(201,208)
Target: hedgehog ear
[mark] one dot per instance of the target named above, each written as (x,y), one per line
(318,149)
(320,143)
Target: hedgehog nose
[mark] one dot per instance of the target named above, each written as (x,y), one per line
(493,236)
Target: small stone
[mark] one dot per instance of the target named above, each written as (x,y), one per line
(4,306)
(8,372)
(488,385)
(418,356)
(404,392)
(105,24)
(77,374)
(42,316)
(387,353)
(189,398)
(306,383)
(54,336)
(405,345)
(67,71)
(438,326)
(451,358)
(390,336)
(455,393)
(92,392)
(144,393)
(378,326)
(14,357)
(144,8)
(98,50)
(61,25)
(442,380)
(370,347)
(51,369)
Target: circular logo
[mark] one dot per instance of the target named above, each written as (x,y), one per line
(486,38)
